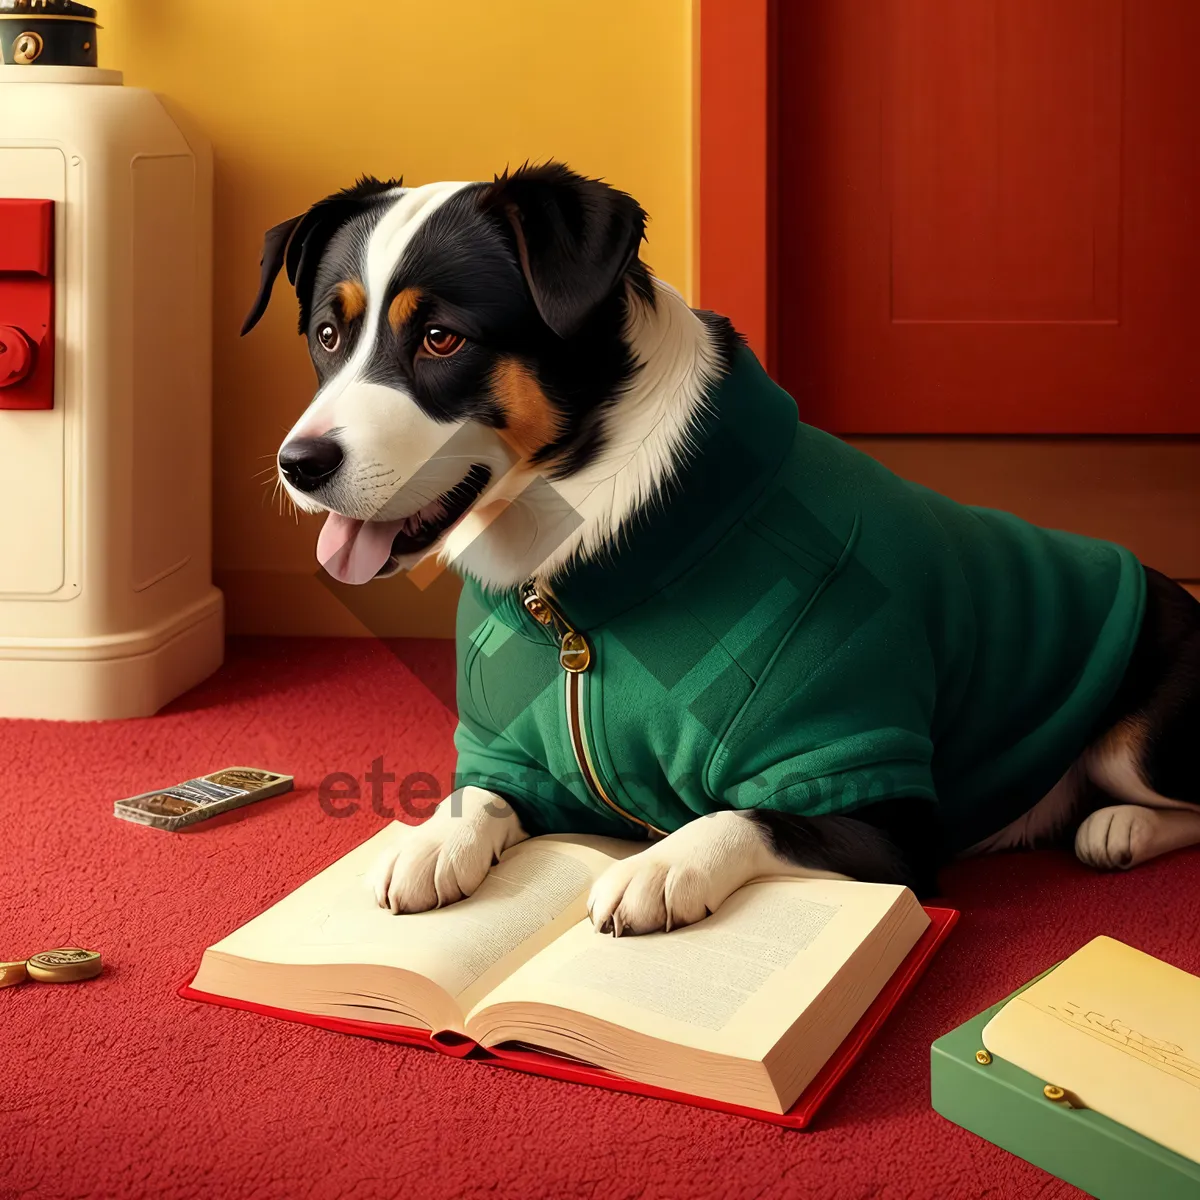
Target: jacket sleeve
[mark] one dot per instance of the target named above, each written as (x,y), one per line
(839,776)
(494,761)
(829,738)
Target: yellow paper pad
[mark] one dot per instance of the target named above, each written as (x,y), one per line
(1119,1030)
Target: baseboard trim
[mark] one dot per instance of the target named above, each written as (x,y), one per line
(134,684)
(127,644)
(1141,492)
(298,604)
(311,604)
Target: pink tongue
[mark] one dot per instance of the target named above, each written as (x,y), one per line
(355,551)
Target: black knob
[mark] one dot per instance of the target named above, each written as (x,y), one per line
(47,33)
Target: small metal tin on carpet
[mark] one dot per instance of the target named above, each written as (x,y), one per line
(197,799)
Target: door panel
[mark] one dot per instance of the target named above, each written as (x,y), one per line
(999,213)
(986,215)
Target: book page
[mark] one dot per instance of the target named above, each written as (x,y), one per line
(538,889)
(705,978)
(1119,1030)
(732,983)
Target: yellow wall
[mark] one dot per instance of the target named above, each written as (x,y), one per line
(299,98)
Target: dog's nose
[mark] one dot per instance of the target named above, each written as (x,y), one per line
(307,462)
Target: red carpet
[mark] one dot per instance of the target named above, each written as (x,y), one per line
(117,1088)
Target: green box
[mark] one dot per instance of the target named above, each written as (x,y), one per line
(1006,1105)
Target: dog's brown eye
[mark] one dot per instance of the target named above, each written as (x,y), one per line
(441,343)
(329,337)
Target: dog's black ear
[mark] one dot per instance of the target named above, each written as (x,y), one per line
(576,238)
(297,244)
(275,242)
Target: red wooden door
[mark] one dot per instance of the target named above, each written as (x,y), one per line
(988,214)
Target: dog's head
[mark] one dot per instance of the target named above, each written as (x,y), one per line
(467,338)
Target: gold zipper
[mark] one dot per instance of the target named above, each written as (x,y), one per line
(575,658)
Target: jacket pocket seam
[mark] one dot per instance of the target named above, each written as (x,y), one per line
(719,751)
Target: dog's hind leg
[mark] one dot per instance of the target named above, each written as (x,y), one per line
(1126,835)
(1136,763)
(1148,758)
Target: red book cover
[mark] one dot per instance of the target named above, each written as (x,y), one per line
(941,921)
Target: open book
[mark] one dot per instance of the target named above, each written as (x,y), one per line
(1119,1031)
(743,1008)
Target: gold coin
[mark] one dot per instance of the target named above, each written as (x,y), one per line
(12,973)
(67,965)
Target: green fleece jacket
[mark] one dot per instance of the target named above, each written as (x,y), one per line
(793,627)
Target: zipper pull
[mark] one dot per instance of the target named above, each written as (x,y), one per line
(535,605)
(574,653)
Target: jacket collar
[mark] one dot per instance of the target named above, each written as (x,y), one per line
(740,439)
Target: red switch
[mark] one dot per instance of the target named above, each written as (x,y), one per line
(26,303)
(16,356)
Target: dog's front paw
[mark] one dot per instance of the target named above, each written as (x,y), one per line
(447,857)
(681,879)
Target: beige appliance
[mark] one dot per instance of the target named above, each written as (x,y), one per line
(107,607)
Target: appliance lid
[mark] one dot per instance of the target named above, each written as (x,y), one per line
(47,33)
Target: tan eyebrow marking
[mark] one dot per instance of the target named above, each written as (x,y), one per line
(532,423)
(353,299)
(403,307)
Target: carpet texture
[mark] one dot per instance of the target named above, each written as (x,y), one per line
(117,1088)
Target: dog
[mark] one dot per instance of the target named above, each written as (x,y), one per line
(686,615)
